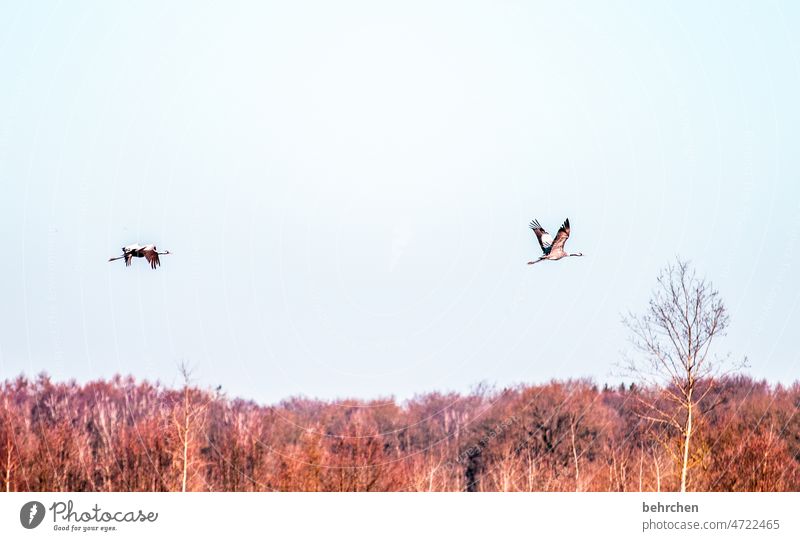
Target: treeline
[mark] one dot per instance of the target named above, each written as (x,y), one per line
(123,435)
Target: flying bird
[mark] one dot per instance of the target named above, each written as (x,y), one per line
(552,249)
(149,252)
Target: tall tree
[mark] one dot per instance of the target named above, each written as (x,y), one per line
(684,316)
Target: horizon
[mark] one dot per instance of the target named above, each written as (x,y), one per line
(479,388)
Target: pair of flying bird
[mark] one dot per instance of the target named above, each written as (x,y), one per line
(552,249)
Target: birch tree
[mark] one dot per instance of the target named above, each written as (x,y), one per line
(674,335)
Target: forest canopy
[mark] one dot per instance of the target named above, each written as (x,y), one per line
(128,435)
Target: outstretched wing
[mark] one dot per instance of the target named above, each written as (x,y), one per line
(544,238)
(152,257)
(561,237)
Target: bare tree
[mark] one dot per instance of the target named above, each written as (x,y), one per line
(188,421)
(675,333)
(10,454)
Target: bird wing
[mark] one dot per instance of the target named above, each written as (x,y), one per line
(128,258)
(561,236)
(152,257)
(544,238)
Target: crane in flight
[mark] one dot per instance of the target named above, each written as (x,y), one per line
(552,249)
(148,251)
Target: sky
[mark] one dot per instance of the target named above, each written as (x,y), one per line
(346,188)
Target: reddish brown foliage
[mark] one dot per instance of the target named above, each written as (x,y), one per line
(121,435)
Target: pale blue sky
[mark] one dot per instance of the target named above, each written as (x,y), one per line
(347,187)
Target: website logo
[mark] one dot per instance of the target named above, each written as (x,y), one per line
(31,514)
